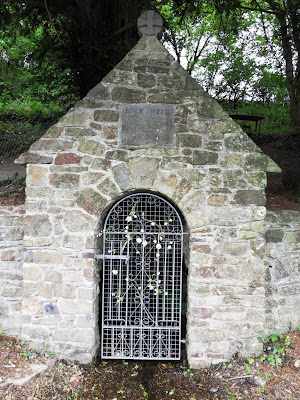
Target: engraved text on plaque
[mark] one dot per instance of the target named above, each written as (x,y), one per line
(147,125)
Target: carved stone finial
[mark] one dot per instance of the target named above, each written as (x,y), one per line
(150,24)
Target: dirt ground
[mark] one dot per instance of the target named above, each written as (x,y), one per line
(12,191)
(237,379)
(9,169)
(281,200)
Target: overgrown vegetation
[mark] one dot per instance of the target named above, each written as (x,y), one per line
(37,83)
(276,115)
(275,347)
(239,50)
(49,58)
(36,71)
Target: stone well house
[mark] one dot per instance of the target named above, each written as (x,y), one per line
(148,134)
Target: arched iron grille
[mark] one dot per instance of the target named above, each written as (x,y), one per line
(142,273)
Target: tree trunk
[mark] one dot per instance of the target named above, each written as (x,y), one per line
(295,16)
(292,78)
(103,33)
(100,33)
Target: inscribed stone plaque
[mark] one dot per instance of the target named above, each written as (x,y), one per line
(147,125)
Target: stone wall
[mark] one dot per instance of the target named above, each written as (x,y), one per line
(11,259)
(283,256)
(209,169)
(148,127)
(60,283)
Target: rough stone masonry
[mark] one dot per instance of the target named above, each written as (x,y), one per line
(198,158)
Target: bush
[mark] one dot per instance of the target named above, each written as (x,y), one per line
(276,115)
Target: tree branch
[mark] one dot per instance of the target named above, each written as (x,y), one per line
(258,9)
(270,44)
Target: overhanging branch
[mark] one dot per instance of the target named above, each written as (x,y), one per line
(259,10)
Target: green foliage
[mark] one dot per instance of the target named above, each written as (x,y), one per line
(188,373)
(275,346)
(190,30)
(35,65)
(250,360)
(236,55)
(47,58)
(270,87)
(1,331)
(49,352)
(247,369)
(276,115)
(25,354)
(37,85)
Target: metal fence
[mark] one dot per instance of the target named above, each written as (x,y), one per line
(15,138)
(12,145)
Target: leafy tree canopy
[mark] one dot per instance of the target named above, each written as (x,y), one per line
(273,28)
(238,49)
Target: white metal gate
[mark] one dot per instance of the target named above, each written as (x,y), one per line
(142,274)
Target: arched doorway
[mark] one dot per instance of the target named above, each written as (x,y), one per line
(142,279)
